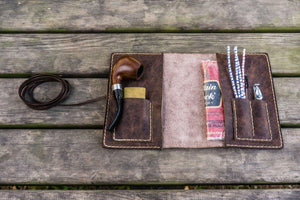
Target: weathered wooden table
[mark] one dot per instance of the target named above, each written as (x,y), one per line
(62,146)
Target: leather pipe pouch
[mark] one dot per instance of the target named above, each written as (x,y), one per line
(173,113)
(251,120)
(251,123)
(141,123)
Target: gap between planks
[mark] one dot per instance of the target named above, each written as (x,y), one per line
(13,112)
(66,157)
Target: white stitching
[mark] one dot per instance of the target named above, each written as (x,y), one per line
(280,138)
(277,119)
(107,106)
(235,121)
(252,123)
(253,146)
(268,118)
(251,115)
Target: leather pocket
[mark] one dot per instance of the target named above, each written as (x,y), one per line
(251,120)
(242,119)
(136,121)
(262,128)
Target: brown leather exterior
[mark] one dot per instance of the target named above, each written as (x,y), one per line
(266,126)
(129,133)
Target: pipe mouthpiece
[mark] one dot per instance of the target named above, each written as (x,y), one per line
(118,96)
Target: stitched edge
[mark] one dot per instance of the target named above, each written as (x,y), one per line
(254,146)
(277,119)
(150,129)
(266,140)
(269,124)
(272,87)
(251,115)
(235,121)
(107,106)
(252,123)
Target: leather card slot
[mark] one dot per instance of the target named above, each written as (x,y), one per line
(262,127)
(242,119)
(136,121)
(251,120)
(251,123)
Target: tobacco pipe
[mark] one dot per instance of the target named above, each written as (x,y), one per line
(125,68)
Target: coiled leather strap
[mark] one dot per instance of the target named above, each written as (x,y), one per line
(27,87)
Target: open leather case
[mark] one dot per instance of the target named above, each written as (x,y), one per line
(173,113)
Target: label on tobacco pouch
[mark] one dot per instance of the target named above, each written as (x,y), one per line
(214,108)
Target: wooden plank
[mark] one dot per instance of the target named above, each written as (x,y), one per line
(287,95)
(113,15)
(142,194)
(14,112)
(86,54)
(66,156)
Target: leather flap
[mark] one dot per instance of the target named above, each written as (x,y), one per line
(148,133)
(251,123)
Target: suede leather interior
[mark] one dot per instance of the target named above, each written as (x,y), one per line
(183,112)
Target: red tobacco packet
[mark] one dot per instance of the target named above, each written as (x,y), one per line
(214,107)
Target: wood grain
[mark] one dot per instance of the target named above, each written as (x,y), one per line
(114,15)
(14,112)
(165,195)
(89,54)
(66,156)
(76,156)
(288,95)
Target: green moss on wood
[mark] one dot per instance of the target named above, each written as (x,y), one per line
(49,126)
(163,29)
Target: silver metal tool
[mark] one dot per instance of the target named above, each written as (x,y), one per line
(257,93)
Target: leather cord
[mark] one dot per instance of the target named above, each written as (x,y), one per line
(27,87)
